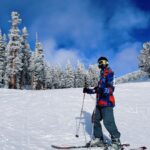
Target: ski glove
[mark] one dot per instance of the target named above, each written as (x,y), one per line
(93,91)
(86,90)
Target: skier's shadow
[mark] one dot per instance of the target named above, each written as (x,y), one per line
(87,123)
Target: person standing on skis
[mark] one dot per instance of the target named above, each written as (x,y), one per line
(104,106)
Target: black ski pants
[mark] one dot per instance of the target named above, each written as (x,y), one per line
(107,115)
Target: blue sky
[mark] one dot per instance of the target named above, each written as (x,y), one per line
(84,29)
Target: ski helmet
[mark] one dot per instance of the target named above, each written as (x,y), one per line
(102,62)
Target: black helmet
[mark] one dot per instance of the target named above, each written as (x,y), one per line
(102,58)
(102,62)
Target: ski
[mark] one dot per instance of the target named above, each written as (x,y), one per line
(84,146)
(68,147)
(124,148)
(140,148)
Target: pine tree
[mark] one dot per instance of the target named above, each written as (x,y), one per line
(69,76)
(5,41)
(56,77)
(14,55)
(26,54)
(92,75)
(62,79)
(5,46)
(2,59)
(79,75)
(32,71)
(37,67)
(48,77)
(144,58)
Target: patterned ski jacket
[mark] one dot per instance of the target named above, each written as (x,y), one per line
(105,82)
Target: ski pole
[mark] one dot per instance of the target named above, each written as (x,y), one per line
(77,131)
(81,112)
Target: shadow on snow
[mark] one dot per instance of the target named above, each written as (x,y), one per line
(86,122)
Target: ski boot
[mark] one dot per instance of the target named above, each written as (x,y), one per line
(96,142)
(116,144)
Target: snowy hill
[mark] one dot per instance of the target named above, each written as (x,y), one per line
(33,120)
(136,76)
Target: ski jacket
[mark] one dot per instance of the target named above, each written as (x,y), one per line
(105,82)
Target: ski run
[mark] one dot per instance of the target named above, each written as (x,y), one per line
(35,120)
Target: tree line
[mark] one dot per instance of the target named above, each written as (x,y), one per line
(22,68)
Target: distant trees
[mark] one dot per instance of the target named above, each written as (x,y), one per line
(2,58)
(69,76)
(144,58)
(79,75)
(93,75)
(21,67)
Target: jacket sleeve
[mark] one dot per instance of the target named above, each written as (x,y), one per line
(109,87)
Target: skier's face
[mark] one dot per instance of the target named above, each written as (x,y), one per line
(102,64)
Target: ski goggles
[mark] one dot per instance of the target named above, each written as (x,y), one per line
(103,62)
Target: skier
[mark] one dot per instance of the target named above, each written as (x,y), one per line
(104,106)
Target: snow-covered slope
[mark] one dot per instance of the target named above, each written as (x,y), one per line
(136,76)
(33,120)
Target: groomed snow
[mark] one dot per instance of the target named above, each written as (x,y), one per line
(33,120)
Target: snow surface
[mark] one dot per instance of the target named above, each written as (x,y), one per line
(33,120)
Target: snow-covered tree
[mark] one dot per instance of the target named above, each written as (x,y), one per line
(2,59)
(62,79)
(93,75)
(37,67)
(56,72)
(79,75)
(32,70)
(26,54)
(14,55)
(48,77)
(69,76)
(144,58)
(5,41)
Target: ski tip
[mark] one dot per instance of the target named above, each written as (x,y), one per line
(144,147)
(77,135)
(140,148)
(53,146)
(56,147)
